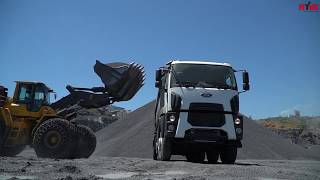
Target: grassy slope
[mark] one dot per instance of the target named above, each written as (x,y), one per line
(304,122)
(301,130)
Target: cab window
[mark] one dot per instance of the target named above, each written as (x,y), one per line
(41,96)
(25,94)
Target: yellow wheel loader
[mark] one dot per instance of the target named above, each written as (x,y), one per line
(28,119)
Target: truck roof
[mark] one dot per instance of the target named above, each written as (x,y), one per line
(199,62)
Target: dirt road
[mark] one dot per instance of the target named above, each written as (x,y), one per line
(139,168)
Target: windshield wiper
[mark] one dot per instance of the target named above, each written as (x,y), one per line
(188,84)
(222,87)
(213,85)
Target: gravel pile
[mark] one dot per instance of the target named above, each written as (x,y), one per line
(132,137)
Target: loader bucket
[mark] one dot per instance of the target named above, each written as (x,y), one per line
(121,80)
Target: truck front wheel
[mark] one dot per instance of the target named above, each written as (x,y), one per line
(196,157)
(162,147)
(228,154)
(212,156)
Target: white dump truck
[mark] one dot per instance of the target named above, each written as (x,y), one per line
(197,111)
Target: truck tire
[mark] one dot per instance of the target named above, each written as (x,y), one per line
(228,154)
(163,147)
(155,156)
(86,142)
(196,157)
(212,156)
(11,151)
(54,139)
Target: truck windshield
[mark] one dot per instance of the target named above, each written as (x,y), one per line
(203,75)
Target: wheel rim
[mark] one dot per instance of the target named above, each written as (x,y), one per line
(52,139)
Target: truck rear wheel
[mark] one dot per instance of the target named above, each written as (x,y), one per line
(86,142)
(228,154)
(212,156)
(54,139)
(196,157)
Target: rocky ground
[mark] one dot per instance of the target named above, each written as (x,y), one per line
(27,166)
(124,151)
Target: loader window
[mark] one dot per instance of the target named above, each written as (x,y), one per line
(25,93)
(41,96)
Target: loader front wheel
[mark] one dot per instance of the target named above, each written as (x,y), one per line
(54,139)
(86,142)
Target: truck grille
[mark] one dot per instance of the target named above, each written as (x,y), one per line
(206,115)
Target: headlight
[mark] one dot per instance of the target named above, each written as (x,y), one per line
(172,118)
(237,121)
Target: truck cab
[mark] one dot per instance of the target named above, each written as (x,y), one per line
(197,111)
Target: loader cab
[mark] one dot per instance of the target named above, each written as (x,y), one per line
(33,94)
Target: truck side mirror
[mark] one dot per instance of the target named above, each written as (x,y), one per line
(158,75)
(157,84)
(245,79)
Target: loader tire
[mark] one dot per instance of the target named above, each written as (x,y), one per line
(11,151)
(54,139)
(8,150)
(86,142)
(2,131)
